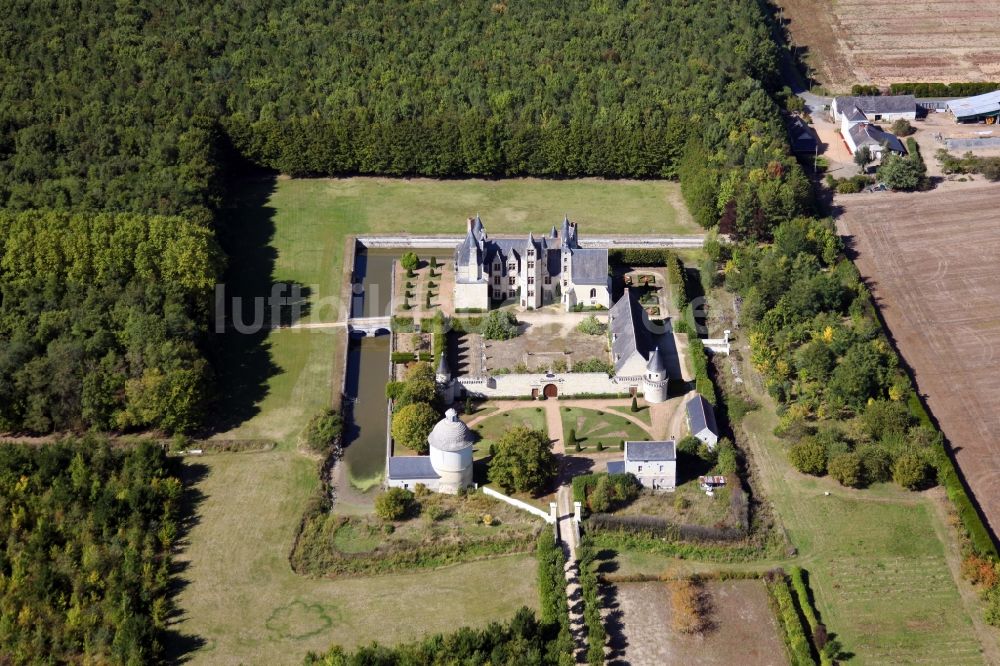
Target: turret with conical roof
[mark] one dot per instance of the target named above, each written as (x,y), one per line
(654,385)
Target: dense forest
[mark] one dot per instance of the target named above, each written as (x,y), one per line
(101,320)
(84,565)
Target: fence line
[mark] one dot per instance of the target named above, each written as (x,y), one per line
(519,504)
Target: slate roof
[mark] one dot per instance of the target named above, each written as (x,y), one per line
(656,363)
(978,105)
(450,433)
(616,467)
(802,138)
(629,330)
(406,468)
(636,451)
(878,103)
(590,266)
(701,415)
(870,135)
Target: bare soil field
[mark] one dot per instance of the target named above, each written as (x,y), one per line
(930,260)
(851,41)
(743,629)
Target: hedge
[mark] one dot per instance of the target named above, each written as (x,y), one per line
(469,310)
(799,648)
(596,634)
(944,89)
(677,277)
(402,324)
(662,528)
(553,602)
(639,256)
(979,535)
(801,587)
(625,487)
(402,357)
(708,552)
(699,364)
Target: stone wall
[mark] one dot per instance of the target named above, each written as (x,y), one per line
(521,385)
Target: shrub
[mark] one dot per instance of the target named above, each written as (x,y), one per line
(593,365)
(726,462)
(500,325)
(877,463)
(600,497)
(324,431)
(902,127)
(571,438)
(910,471)
(809,456)
(409,261)
(788,617)
(689,445)
(591,325)
(635,405)
(847,469)
(394,504)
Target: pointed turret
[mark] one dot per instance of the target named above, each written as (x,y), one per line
(655,364)
(442,369)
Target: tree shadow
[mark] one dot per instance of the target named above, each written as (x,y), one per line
(248,303)
(179,647)
(614,625)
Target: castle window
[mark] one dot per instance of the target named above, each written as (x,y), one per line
(511,280)
(531,253)
(512,266)
(531,265)
(548,280)
(531,292)
(565,283)
(531,279)
(496,279)
(496,295)
(593,293)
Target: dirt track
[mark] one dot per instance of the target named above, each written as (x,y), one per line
(931,260)
(853,41)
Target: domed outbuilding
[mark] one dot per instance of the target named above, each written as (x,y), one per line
(447,469)
(451,452)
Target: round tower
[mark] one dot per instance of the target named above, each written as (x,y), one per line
(445,385)
(451,453)
(654,385)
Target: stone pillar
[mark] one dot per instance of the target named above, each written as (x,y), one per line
(577,508)
(554,512)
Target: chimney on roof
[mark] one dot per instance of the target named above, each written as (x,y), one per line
(468,225)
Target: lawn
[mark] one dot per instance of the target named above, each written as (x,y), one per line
(593,427)
(240,602)
(687,505)
(491,428)
(643,414)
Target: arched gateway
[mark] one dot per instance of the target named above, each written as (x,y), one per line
(550,391)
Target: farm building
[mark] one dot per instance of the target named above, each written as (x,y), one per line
(977,109)
(875,108)
(447,469)
(801,137)
(856,116)
(701,420)
(653,463)
(877,140)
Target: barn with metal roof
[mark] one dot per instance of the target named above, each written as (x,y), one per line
(980,108)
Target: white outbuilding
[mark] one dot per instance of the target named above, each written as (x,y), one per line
(447,469)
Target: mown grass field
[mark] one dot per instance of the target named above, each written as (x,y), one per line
(240,601)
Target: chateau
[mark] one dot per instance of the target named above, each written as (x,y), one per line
(532,272)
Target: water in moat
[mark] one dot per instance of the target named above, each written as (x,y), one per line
(368,369)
